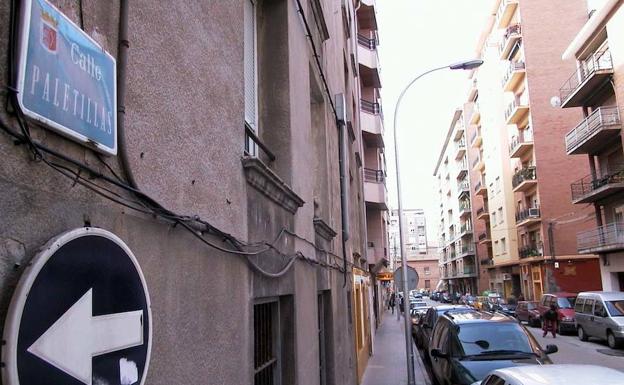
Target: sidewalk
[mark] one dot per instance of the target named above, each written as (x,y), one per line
(388,365)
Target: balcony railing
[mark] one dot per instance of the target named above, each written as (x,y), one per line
(524,137)
(525,174)
(516,109)
(370,107)
(374,176)
(531,213)
(482,210)
(367,42)
(531,250)
(589,189)
(599,120)
(467,250)
(465,228)
(609,237)
(513,67)
(512,33)
(599,61)
(484,236)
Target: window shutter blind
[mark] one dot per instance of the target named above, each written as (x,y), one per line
(250,63)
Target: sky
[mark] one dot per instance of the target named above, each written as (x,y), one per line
(417,35)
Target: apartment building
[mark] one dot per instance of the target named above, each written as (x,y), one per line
(236,140)
(418,254)
(596,88)
(457,256)
(528,227)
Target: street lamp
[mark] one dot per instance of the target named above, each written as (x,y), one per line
(465,65)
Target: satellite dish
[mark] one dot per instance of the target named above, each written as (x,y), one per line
(555,101)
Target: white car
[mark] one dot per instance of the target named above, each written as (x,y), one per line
(554,375)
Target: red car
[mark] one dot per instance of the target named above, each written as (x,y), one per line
(527,311)
(565,309)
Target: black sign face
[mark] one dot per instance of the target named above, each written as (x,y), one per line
(80,315)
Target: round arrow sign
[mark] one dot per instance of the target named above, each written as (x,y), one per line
(80,315)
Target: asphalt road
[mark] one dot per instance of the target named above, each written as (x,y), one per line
(574,351)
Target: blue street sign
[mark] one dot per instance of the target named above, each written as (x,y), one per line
(65,79)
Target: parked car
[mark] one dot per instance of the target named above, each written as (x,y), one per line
(565,309)
(503,306)
(468,300)
(422,335)
(481,303)
(446,297)
(466,346)
(601,314)
(553,375)
(418,303)
(527,311)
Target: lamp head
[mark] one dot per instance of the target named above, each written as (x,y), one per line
(466,65)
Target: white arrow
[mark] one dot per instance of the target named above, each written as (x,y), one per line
(76,337)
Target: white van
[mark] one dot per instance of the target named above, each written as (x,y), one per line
(601,314)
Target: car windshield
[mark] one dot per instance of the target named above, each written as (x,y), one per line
(566,303)
(616,308)
(476,339)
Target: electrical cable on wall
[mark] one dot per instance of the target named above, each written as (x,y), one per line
(143,203)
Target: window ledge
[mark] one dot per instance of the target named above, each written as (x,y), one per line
(323,230)
(263,179)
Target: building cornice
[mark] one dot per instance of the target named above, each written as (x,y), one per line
(323,230)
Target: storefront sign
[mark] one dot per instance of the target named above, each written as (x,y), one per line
(66,80)
(80,314)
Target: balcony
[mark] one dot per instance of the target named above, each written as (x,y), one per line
(514,76)
(598,130)
(464,209)
(528,216)
(505,12)
(463,188)
(524,179)
(480,189)
(465,229)
(459,130)
(476,139)
(466,250)
(512,36)
(460,149)
(591,73)
(517,110)
(462,169)
(367,51)
(521,144)
(483,214)
(467,272)
(531,250)
(607,238)
(372,123)
(375,193)
(484,238)
(478,164)
(475,116)
(588,189)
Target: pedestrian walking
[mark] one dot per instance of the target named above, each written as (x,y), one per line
(392,301)
(549,321)
(401,304)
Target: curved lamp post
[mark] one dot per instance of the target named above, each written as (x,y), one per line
(465,65)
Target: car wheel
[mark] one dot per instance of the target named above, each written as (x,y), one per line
(581,334)
(612,341)
(559,328)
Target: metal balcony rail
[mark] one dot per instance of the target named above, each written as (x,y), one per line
(609,235)
(465,228)
(530,250)
(464,206)
(469,270)
(463,186)
(365,41)
(480,210)
(252,140)
(483,236)
(370,107)
(527,173)
(375,176)
(516,102)
(533,212)
(600,60)
(467,249)
(478,184)
(513,67)
(463,165)
(461,145)
(524,136)
(586,185)
(601,117)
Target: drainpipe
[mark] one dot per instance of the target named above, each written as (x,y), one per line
(341,113)
(122,63)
